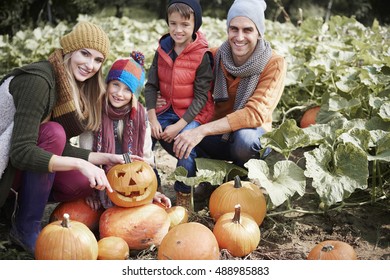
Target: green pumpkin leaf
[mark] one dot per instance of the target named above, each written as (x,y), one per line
(336,177)
(286,138)
(282,182)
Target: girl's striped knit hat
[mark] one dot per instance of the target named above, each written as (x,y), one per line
(129,71)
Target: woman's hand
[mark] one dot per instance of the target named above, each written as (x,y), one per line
(96,176)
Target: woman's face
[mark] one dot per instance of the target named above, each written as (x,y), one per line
(242,36)
(85,63)
(118,93)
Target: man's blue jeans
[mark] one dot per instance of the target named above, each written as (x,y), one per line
(243,145)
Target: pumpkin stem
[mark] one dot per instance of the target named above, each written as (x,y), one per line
(237,214)
(237,182)
(327,248)
(66,222)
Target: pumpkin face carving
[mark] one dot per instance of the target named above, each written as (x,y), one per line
(133,184)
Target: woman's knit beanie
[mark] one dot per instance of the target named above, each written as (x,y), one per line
(86,35)
(252,9)
(195,5)
(129,71)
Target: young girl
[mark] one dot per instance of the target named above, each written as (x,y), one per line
(125,128)
(54,100)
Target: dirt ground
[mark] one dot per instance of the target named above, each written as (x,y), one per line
(283,237)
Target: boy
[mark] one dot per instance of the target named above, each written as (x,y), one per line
(182,72)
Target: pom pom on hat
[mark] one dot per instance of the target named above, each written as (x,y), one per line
(252,9)
(86,35)
(129,71)
(195,6)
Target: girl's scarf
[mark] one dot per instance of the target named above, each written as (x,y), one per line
(249,73)
(134,124)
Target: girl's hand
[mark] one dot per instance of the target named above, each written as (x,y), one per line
(160,101)
(93,201)
(162,199)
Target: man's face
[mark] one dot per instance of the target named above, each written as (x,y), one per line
(242,37)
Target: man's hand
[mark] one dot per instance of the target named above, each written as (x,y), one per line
(186,141)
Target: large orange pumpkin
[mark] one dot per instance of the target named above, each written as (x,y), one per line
(237,232)
(133,184)
(245,193)
(189,241)
(309,117)
(66,240)
(332,250)
(80,211)
(140,226)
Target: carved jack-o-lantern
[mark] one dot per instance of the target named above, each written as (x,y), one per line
(133,184)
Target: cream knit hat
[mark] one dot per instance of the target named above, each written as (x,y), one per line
(86,35)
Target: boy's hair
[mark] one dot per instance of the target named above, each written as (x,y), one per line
(185,8)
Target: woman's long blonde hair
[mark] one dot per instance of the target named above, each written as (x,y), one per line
(87,95)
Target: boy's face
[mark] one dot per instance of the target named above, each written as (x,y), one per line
(118,93)
(180,28)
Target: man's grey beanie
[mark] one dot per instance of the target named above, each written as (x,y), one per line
(252,9)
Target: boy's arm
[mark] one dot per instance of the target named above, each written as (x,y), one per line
(152,85)
(202,84)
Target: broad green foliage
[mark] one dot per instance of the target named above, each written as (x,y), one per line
(340,65)
(213,171)
(281,183)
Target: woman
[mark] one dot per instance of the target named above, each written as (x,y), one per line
(54,101)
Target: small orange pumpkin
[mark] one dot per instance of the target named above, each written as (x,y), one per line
(113,248)
(309,117)
(189,241)
(133,184)
(140,226)
(80,211)
(66,240)
(237,232)
(245,193)
(332,250)
(177,215)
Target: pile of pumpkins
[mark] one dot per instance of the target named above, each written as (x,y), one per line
(134,223)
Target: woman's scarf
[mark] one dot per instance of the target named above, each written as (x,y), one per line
(64,111)
(249,73)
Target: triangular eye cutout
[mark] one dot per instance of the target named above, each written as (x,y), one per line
(120,174)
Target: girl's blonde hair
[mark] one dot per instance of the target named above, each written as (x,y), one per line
(87,96)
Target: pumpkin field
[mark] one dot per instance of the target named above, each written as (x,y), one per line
(328,175)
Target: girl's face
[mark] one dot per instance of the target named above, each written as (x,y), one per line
(181,29)
(243,37)
(85,63)
(118,94)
